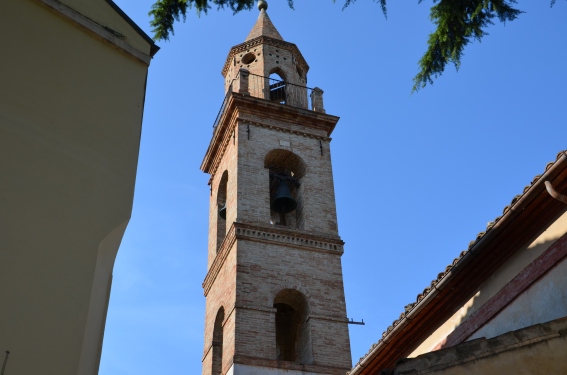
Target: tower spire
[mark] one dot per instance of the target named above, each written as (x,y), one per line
(263,26)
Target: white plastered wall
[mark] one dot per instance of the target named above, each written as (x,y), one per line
(542,302)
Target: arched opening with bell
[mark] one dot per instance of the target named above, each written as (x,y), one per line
(221,209)
(286,171)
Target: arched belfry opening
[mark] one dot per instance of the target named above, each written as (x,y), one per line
(221,209)
(286,171)
(293,330)
(278,86)
(217,343)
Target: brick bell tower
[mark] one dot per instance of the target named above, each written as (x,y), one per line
(274,291)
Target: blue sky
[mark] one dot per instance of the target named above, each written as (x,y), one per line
(416,176)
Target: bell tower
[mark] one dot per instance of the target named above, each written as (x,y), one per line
(274,291)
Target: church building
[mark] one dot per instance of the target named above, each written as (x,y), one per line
(501,306)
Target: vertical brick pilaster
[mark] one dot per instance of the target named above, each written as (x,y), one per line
(317,100)
(243,74)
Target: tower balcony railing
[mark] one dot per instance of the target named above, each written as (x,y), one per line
(275,90)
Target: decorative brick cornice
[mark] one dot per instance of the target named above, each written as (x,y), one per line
(265,40)
(285,130)
(239,107)
(222,253)
(273,235)
(289,237)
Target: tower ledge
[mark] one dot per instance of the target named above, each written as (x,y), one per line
(265,113)
(271,234)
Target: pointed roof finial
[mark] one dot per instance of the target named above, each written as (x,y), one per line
(264,26)
(262,5)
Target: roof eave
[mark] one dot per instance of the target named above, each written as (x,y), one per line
(153,46)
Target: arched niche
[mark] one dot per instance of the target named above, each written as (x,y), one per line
(293,328)
(217,343)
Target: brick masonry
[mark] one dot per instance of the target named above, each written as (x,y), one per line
(257,259)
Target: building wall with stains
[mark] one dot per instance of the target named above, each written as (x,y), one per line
(71,103)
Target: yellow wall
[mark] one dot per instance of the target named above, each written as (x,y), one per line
(70,119)
(537,349)
(540,358)
(101,12)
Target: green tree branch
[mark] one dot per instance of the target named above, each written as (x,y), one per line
(458,22)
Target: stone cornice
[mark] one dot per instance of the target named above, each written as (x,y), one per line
(273,235)
(289,237)
(264,40)
(285,130)
(240,106)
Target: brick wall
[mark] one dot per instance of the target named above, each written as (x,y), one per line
(258,259)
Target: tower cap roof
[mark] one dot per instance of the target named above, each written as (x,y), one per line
(263,26)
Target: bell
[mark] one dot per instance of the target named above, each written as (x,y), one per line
(283,202)
(222,212)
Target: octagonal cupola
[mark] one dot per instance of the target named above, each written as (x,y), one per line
(271,61)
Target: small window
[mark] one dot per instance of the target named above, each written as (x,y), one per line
(248,58)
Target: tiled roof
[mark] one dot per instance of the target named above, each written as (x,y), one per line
(264,27)
(442,274)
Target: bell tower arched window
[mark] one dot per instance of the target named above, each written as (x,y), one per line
(293,331)
(277,84)
(222,209)
(286,171)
